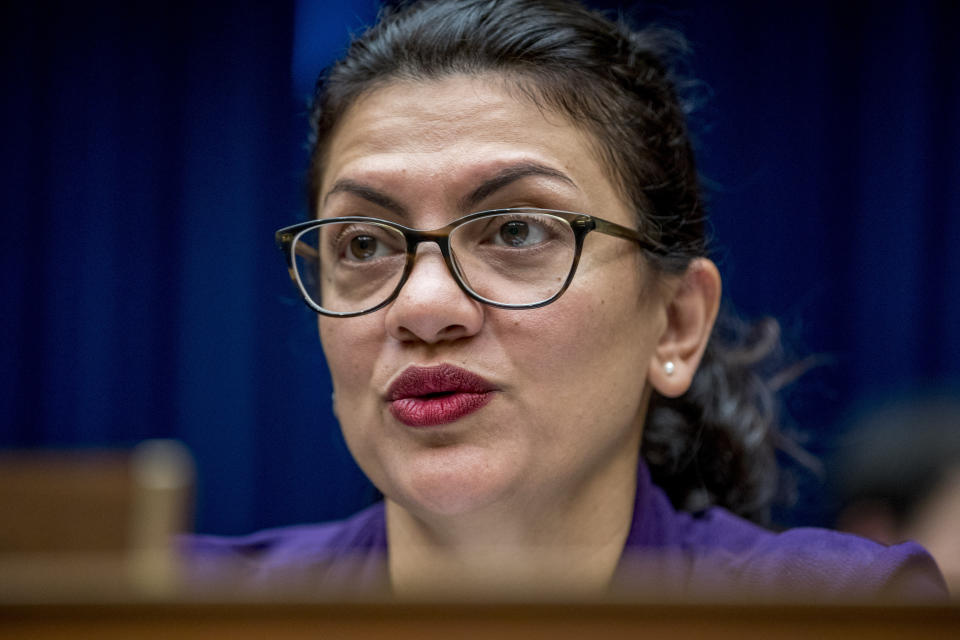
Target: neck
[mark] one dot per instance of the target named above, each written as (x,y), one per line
(547,546)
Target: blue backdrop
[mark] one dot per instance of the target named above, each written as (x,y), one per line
(150,151)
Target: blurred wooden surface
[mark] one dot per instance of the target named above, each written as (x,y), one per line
(65,501)
(81,522)
(84,553)
(398,621)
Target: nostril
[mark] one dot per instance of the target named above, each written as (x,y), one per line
(419,329)
(453,331)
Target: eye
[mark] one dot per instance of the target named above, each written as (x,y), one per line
(363,247)
(361,243)
(520,233)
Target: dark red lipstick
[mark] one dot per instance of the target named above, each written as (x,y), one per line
(430,396)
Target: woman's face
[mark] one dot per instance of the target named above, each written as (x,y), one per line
(559,395)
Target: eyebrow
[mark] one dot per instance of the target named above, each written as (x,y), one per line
(509,175)
(499,180)
(368,193)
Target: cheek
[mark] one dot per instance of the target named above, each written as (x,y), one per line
(609,316)
(350,347)
(589,349)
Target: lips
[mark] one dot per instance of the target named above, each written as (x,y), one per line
(430,396)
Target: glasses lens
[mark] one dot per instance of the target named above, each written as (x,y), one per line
(514,258)
(347,267)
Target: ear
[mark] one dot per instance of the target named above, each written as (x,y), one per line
(691,310)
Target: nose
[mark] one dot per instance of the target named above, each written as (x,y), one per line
(431,306)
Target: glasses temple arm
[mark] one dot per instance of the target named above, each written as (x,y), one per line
(305,250)
(613,229)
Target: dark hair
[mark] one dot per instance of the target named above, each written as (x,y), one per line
(715,444)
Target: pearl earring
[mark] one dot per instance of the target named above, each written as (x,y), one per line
(669,367)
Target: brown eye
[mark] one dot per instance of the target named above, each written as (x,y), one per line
(514,233)
(363,247)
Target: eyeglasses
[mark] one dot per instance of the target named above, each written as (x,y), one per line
(509,258)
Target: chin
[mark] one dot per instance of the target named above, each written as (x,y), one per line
(447,483)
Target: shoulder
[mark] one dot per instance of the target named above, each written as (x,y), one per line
(363,530)
(806,560)
(315,553)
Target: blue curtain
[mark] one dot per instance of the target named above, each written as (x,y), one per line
(151,150)
(830,144)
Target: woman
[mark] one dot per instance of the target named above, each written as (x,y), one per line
(496,375)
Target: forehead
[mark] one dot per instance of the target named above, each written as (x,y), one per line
(455,123)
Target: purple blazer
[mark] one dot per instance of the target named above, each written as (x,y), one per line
(712,554)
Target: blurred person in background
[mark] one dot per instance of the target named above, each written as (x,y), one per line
(896,474)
